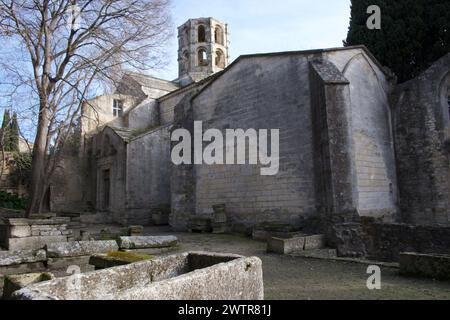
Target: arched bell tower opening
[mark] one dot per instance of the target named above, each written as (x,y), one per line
(203,49)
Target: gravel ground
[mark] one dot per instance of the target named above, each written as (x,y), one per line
(298,278)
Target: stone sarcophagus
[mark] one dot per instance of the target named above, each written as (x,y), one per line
(187,276)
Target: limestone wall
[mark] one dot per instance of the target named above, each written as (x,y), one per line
(99,112)
(167,107)
(374,157)
(260,93)
(144,116)
(422,145)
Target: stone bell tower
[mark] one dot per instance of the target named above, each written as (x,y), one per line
(203,49)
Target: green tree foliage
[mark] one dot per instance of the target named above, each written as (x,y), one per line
(10,132)
(6,132)
(14,136)
(12,201)
(413,35)
(22,168)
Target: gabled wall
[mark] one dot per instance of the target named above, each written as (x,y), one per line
(371,127)
(259,93)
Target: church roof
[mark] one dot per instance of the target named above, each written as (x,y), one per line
(214,77)
(152,82)
(126,134)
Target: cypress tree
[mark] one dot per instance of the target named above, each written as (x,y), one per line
(14,134)
(413,35)
(6,130)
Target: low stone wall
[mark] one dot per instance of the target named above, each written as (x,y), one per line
(425,265)
(188,276)
(18,234)
(385,241)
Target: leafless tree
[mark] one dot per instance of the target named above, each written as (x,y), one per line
(60,51)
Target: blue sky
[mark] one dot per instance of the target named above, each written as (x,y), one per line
(259,26)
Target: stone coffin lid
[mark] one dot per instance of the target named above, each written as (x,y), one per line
(80,248)
(147,242)
(9,258)
(30,222)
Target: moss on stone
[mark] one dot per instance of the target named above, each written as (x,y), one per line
(129,256)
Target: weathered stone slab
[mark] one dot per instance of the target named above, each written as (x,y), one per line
(187,276)
(285,246)
(16,282)
(33,243)
(295,244)
(80,248)
(19,231)
(8,258)
(425,265)
(147,242)
(315,242)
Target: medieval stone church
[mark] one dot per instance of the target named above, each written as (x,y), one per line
(352,140)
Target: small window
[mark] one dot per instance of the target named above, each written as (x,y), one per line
(118,108)
(202,58)
(201,33)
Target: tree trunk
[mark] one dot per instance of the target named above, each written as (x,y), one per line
(38,164)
